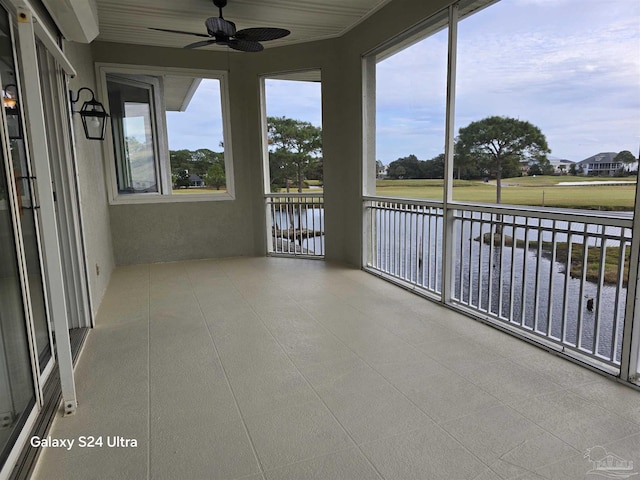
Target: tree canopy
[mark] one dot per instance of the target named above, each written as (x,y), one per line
(198,162)
(542,166)
(500,143)
(411,167)
(625,157)
(295,151)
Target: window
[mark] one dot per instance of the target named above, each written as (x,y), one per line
(131,105)
(169,135)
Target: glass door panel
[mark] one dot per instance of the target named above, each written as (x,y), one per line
(27,204)
(17,395)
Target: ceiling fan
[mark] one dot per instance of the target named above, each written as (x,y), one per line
(223,32)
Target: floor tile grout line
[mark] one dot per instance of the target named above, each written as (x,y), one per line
(375,469)
(617,414)
(226,375)
(565,391)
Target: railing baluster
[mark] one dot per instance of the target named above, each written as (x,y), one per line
(583,281)
(480,261)
(567,277)
(525,276)
(598,306)
(501,267)
(536,290)
(512,278)
(551,270)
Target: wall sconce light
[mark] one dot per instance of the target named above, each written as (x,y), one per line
(93,116)
(12,111)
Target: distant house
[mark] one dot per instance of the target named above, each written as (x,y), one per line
(381,171)
(603,164)
(560,165)
(195,180)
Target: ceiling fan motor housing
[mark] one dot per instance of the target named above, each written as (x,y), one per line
(219,27)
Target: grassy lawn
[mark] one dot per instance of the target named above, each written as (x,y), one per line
(522,191)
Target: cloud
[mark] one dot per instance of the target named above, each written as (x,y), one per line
(294,99)
(571,71)
(200,126)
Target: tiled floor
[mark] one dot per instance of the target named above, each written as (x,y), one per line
(266,368)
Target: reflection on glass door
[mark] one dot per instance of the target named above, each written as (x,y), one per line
(131,106)
(16,381)
(27,202)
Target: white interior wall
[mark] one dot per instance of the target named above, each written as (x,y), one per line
(93,197)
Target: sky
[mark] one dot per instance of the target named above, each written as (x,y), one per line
(570,67)
(200,126)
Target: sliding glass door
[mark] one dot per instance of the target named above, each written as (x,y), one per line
(20,272)
(26,193)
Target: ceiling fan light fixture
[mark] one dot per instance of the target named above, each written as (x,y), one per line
(218,26)
(223,32)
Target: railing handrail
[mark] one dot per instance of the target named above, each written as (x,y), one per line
(294,195)
(412,201)
(608,218)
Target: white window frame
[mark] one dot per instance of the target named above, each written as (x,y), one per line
(163,166)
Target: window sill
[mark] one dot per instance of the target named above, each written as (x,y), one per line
(138,199)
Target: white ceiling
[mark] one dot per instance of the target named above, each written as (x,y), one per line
(127,21)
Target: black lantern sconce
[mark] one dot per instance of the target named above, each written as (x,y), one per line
(12,111)
(92,114)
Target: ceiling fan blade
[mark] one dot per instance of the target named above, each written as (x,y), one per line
(204,35)
(261,34)
(245,45)
(203,43)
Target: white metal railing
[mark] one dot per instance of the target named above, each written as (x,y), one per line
(406,241)
(556,276)
(295,224)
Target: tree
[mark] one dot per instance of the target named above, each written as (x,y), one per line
(405,167)
(499,144)
(196,161)
(433,168)
(573,170)
(541,167)
(295,149)
(182,179)
(626,158)
(215,176)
